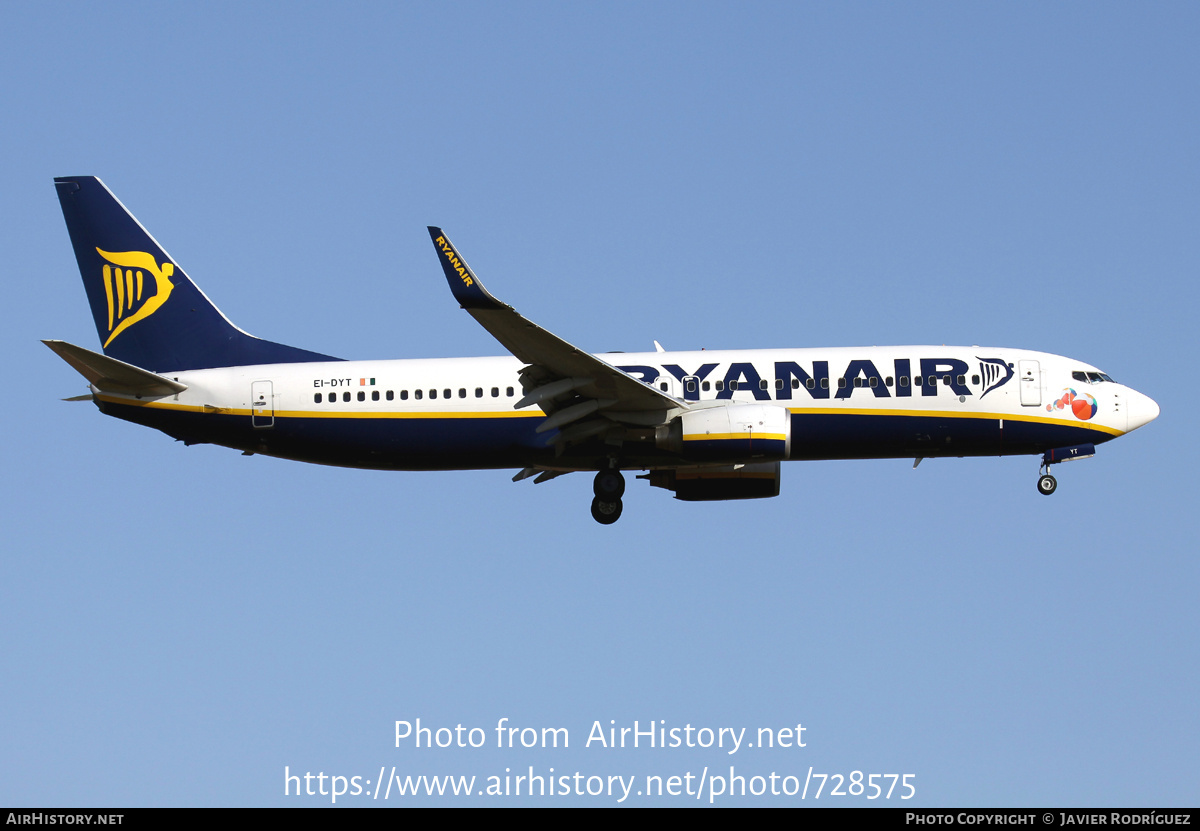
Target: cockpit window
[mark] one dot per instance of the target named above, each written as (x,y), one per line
(1091,377)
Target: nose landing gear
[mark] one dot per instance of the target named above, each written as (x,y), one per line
(1047,484)
(608,487)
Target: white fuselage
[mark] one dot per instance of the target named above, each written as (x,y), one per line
(845,402)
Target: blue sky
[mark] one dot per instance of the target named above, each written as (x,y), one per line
(179,624)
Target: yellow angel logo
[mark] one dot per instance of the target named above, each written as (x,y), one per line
(123,288)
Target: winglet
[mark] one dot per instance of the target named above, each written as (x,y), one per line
(465,286)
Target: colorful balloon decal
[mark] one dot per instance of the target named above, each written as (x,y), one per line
(1083,406)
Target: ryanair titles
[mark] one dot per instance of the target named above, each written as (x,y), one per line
(861,376)
(452,257)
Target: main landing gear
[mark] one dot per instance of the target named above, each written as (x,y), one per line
(609,487)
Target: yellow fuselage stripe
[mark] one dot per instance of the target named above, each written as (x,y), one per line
(537,413)
(955,414)
(245,411)
(735,436)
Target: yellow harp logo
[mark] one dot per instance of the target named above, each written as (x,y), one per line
(124,288)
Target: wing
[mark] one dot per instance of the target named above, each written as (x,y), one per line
(569,384)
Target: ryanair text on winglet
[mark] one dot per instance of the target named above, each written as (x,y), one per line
(452,258)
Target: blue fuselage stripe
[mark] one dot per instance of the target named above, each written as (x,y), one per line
(480,442)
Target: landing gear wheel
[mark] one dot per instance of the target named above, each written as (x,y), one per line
(605,512)
(609,485)
(1047,484)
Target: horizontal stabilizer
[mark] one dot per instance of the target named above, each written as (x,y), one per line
(110,375)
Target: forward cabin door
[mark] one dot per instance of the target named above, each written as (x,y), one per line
(262,404)
(1031,383)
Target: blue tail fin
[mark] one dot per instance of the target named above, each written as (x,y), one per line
(148,313)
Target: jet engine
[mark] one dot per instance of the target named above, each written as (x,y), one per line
(711,484)
(736,433)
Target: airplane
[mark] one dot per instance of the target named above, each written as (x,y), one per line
(705,425)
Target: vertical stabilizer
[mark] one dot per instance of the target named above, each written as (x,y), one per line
(147,311)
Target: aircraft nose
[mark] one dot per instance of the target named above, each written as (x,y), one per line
(1142,410)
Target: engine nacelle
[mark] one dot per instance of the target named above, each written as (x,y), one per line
(710,484)
(734,433)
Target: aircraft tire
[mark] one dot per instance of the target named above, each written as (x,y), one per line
(1047,484)
(604,512)
(609,485)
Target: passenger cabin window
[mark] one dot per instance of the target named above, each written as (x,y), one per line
(345,396)
(841,383)
(391,395)
(720,385)
(317,398)
(462,392)
(904,380)
(479,392)
(445,393)
(508,391)
(810,383)
(975,380)
(418,394)
(762,384)
(374,395)
(362,396)
(495,392)
(704,385)
(433,394)
(824,383)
